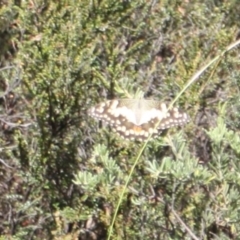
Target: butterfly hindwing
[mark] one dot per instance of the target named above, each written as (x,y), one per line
(138,118)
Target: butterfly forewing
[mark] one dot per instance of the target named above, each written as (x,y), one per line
(138,118)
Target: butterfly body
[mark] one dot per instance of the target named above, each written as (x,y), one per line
(138,118)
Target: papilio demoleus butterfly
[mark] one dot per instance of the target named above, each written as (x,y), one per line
(138,118)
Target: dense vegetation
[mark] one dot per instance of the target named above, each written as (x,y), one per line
(62,174)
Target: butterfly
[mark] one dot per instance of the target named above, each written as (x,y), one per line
(138,118)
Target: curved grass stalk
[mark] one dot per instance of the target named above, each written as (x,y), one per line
(190,82)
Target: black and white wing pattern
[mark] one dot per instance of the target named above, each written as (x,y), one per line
(138,118)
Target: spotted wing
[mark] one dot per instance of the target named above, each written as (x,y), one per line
(138,119)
